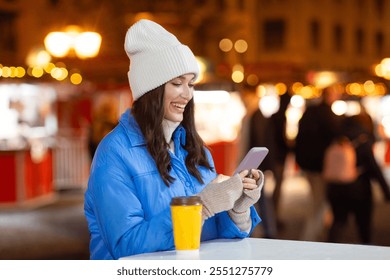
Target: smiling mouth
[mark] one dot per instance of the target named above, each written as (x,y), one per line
(179,106)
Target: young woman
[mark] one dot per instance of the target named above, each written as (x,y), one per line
(155,154)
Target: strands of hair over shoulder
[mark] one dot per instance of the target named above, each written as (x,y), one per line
(149,113)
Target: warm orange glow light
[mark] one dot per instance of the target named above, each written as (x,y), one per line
(84,44)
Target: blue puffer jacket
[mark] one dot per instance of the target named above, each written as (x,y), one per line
(127,203)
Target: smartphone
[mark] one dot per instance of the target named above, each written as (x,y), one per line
(252,159)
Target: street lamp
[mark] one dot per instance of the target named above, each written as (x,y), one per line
(84,44)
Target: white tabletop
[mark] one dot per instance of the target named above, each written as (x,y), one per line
(273,249)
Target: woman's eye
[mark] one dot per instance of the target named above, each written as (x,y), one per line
(177,84)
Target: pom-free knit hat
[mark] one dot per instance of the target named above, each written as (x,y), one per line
(156,57)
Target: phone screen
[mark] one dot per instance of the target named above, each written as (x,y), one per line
(252,159)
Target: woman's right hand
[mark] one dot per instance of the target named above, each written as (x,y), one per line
(220,196)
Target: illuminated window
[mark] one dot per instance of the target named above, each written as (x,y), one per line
(274,34)
(379,40)
(338,38)
(315,35)
(380,7)
(221,5)
(359,37)
(7,31)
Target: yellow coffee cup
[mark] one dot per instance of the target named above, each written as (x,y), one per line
(187,222)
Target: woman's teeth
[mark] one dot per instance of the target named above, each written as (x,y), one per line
(181,106)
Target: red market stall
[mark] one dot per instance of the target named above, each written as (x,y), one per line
(28,124)
(25,181)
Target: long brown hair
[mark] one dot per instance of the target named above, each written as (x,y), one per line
(148,111)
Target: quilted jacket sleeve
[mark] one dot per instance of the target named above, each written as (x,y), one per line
(120,220)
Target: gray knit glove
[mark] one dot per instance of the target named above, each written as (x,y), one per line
(249,197)
(240,214)
(219,197)
(242,220)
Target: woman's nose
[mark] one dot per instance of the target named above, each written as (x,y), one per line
(187,92)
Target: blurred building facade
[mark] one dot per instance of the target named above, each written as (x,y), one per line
(285,39)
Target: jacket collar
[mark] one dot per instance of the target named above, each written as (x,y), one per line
(132,129)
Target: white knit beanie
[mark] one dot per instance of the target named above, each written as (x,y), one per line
(156,57)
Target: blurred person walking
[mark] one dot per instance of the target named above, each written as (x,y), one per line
(259,136)
(356,197)
(316,130)
(104,119)
(279,147)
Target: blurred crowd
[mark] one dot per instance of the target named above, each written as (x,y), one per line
(332,201)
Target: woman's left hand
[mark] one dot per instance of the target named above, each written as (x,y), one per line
(250,179)
(252,190)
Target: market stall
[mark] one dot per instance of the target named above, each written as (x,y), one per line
(27,126)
